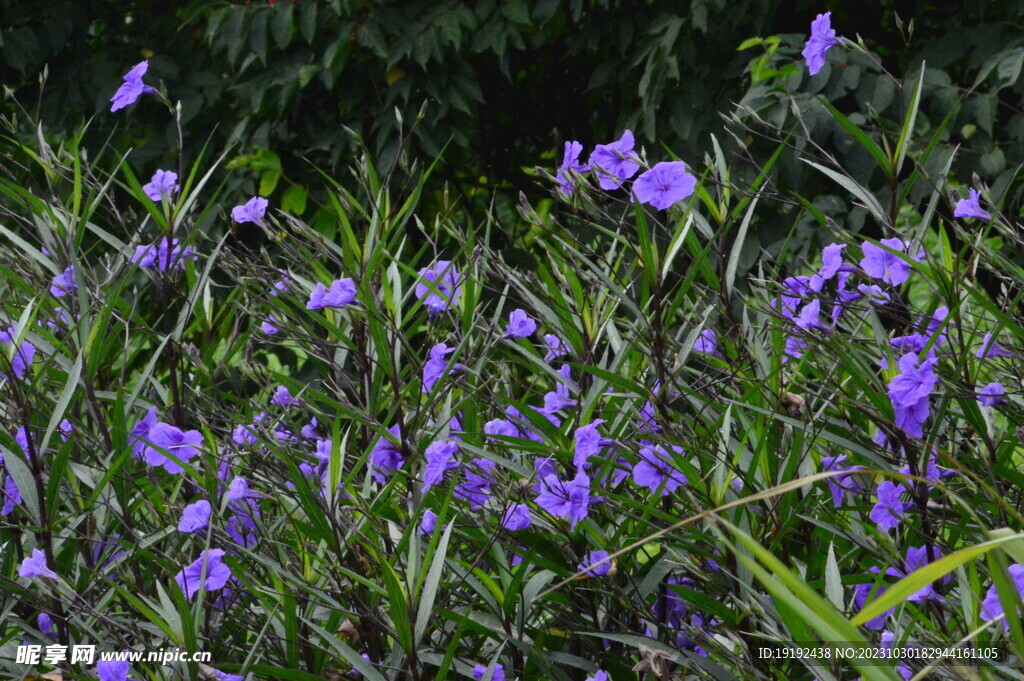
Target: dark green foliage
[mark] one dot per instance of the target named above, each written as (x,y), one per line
(503,84)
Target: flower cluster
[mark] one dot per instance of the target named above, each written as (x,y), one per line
(612,164)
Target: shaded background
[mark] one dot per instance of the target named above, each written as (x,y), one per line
(503,82)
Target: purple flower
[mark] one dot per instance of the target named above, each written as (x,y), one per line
(831,261)
(665,184)
(707,342)
(132,88)
(570,162)
(57,321)
(183,445)
(588,443)
(238,490)
(309,430)
(243,530)
(887,641)
(282,397)
(281,285)
(21,438)
(560,398)
(936,323)
(164,255)
(786,305)
(224,676)
(341,293)
(520,325)
(64,283)
(794,348)
(440,457)
(971,208)
(992,394)
(500,427)
(614,163)
(439,288)
(522,425)
(163,185)
(268,326)
(809,316)
(655,470)
(918,558)
(252,210)
(860,597)
(841,484)
(588,564)
(912,342)
(873,292)
(932,472)
(190,579)
(909,392)
(428,522)
(45,623)
(245,435)
(140,433)
(24,356)
(436,366)
(674,603)
(570,499)
(385,457)
(113,670)
(991,348)
(992,607)
(355,672)
(195,517)
(889,510)
(105,552)
(698,623)
(823,36)
(476,488)
(542,468)
(800,285)
(884,264)
(516,518)
(480,672)
(35,566)
(599,676)
(556,347)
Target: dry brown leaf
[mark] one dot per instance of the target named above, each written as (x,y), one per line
(657,662)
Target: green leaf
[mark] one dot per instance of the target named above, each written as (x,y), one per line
(425,608)
(397,604)
(516,11)
(869,144)
(867,198)
(307,21)
(833,579)
(922,577)
(258,35)
(283,25)
(268,182)
(294,199)
(737,248)
(908,123)
(787,587)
